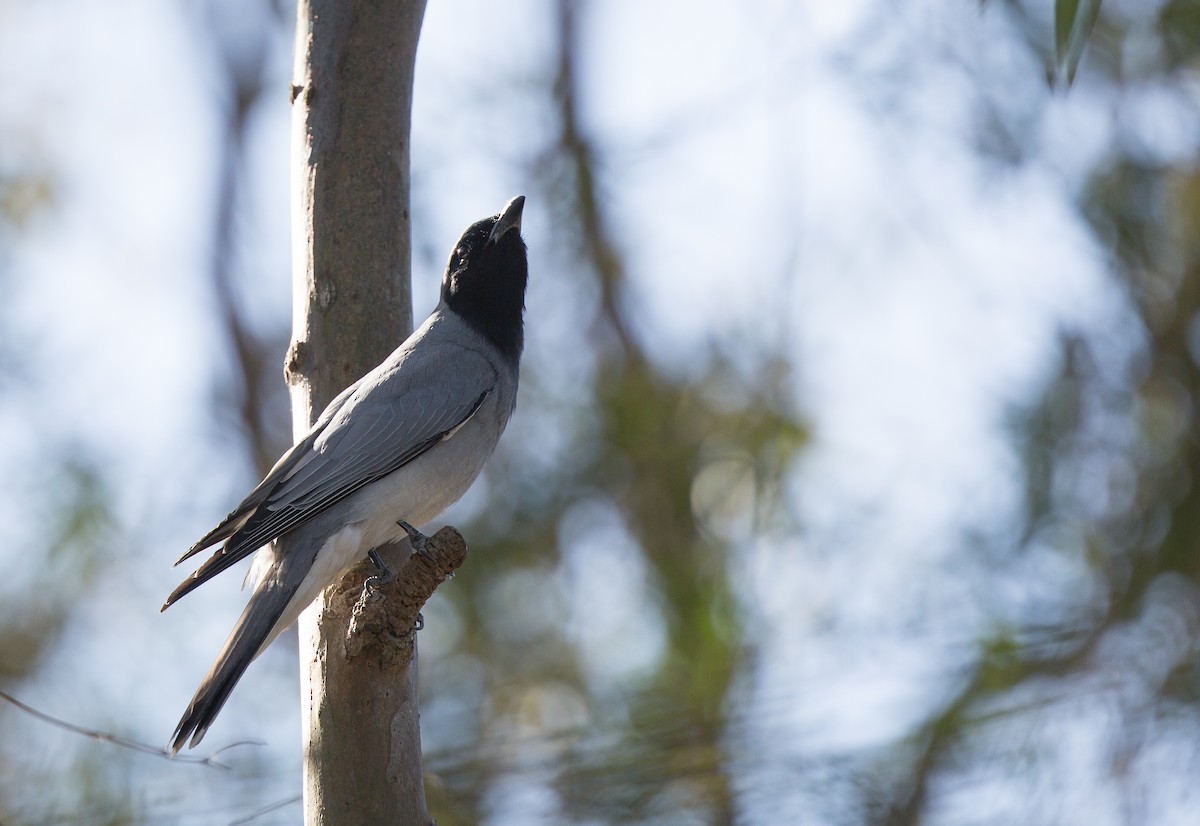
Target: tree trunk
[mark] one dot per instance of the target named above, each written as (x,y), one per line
(352,103)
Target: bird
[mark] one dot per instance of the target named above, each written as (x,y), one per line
(394,449)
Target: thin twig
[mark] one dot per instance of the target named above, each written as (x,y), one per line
(123,742)
(265,811)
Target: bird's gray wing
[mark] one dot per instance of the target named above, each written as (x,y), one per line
(388,420)
(287,463)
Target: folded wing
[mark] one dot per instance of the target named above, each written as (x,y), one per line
(376,426)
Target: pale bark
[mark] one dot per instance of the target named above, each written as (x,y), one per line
(352,102)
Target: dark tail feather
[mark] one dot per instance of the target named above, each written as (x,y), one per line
(221,561)
(253,628)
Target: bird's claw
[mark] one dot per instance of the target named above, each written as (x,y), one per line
(385,574)
(419,541)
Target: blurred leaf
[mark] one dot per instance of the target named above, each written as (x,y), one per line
(1064,22)
(1179,27)
(1073,24)
(23,196)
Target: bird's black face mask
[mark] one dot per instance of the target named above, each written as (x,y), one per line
(486,277)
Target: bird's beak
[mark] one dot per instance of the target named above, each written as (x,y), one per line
(509,218)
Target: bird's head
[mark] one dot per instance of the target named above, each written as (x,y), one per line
(486,276)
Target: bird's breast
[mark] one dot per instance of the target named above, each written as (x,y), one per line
(421,490)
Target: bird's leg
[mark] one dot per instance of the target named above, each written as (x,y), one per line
(385,574)
(420,541)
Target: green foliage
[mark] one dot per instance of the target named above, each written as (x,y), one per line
(1140,543)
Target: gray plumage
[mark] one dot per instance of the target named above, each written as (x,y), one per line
(402,443)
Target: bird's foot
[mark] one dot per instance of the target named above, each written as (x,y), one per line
(420,542)
(385,574)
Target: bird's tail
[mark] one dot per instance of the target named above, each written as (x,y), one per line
(255,629)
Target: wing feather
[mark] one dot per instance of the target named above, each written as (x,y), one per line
(400,415)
